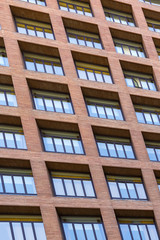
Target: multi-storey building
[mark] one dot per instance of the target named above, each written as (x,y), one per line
(80,119)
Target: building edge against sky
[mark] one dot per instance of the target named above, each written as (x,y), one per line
(79,119)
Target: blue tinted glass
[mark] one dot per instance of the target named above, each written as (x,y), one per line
(68,230)
(125,232)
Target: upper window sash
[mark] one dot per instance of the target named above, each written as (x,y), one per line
(104,109)
(72,184)
(138,229)
(42,63)
(78,7)
(129,48)
(34,28)
(153,25)
(139,80)
(93,72)
(38,2)
(62,142)
(52,101)
(83,228)
(147,114)
(3,57)
(12,137)
(119,17)
(126,187)
(22,227)
(115,147)
(7,96)
(17,181)
(152,2)
(84,38)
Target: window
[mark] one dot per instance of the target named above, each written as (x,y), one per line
(51,101)
(129,48)
(83,228)
(34,28)
(62,142)
(78,7)
(93,72)
(158,51)
(139,80)
(126,188)
(3,57)
(41,63)
(137,229)
(84,38)
(153,149)
(119,17)
(12,137)
(147,115)
(38,2)
(21,227)
(153,25)
(7,96)
(72,185)
(17,181)
(114,147)
(153,2)
(104,109)
(158,182)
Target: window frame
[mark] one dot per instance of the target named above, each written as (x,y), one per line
(73,178)
(36,2)
(3,54)
(155,147)
(3,88)
(76,6)
(149,2)
(150,111)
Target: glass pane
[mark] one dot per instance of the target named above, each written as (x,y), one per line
(58,144)
(125,232)
(48,144)
(101,112)
(148,118)
(67,107)
(118,114)
(88,186)
(120,151)
(11,100)
(135,232)
(58,186)
(89,231)
(58,70)
(49,104)
(20,140)
(123,190)
(78,188)
(8,184)
(119,49)
(91,75)
(140,190)
(152,86)
(131,190)
(17,230)
(129,151)
(81,41)
(30,64)
(89,42)
(99,231)
(30,185)
(134,52)
(129,82)
(2,99)
(143,232)
(40,232)
(109,113)
(69,187)
(48,67)
(140,117)
(68,145)
(114,190)
(39,103)
(2,144)
(153,232)
(107,78)
(28,231)
(21,29)
(112,150)
(92,111)
(144,84)
(79,231)
(151,154)
(19,184)
(72,39)
(99,77)
(78,146)
(68,230)
(102,149)
(10,140)
(31,31)
(155,119)
(58,106)
(82,74)
(5,231)
(158,154)
(40,66)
